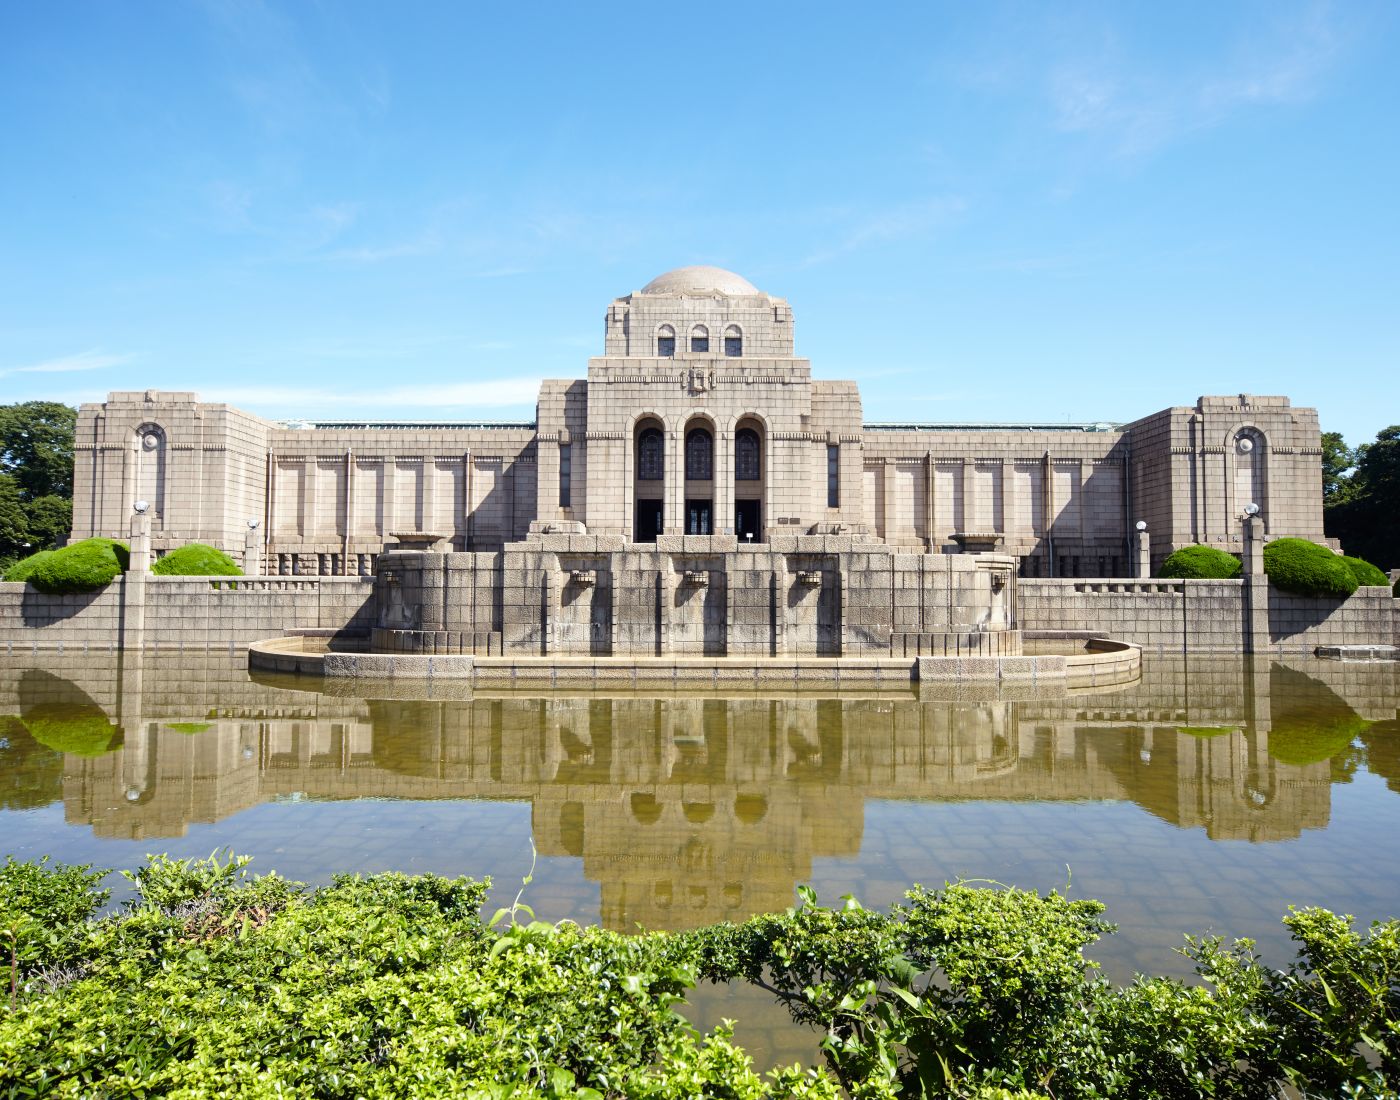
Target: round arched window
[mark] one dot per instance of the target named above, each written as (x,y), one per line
(700,339)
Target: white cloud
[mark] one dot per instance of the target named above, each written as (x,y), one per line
(84,360)
(894,223)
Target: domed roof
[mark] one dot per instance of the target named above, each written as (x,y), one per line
(700,280)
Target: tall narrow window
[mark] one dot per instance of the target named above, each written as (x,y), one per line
(665,342)
(747,463)
(733,342)
(700,339)
(565,475)
(649,455)
(833,476)
(699,455)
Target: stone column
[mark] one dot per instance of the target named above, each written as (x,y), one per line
(724,484)
(891,518)
(133,606)
(1256,588)
(673,518)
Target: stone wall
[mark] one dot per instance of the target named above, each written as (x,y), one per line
(1204,616)
(190,614)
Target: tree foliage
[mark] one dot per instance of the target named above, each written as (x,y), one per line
(210,982)
(36,447)
(1363,514)
(36,476)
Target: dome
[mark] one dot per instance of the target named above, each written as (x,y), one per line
(700,280)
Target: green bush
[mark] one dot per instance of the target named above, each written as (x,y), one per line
(82,567)
(1364,572)
(1307,569)
(196,559)
(23,569)
(210,981)
(1200,562)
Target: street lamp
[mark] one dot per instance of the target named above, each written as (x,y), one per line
(141,507)
(1251,509)
(1142,525)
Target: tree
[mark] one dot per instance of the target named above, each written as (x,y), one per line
(1365,518)
(1337,460)
(14,523)
(36,447)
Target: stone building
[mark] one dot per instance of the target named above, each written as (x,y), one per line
(698,420)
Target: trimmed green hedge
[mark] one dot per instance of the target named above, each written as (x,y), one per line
(196,559)
(1364,572)
(1200,562)
(1307,569)
(23,569)
(82,567)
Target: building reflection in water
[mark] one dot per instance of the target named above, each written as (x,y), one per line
(688,810)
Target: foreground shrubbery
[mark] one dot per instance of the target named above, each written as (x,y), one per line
(1364,572)
(1307,569)
(211,984)
(1200,562)
(82,566)
(197,559)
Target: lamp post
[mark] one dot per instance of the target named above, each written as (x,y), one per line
(1253,540)
(140,560)
(252,551)
(1144,551)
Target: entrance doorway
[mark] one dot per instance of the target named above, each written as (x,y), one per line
(748,519)
(649,525)
(697,518)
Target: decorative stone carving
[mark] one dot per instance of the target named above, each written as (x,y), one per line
(584,578)
(699,380)
(810,578)
(696,578)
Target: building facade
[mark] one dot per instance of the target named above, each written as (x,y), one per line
(698,419)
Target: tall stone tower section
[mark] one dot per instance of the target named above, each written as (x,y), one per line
(699,419)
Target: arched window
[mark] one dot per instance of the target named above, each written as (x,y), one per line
(650,455)
(665,342)
(700,339)
(699,455)
(747,463)
(733,342)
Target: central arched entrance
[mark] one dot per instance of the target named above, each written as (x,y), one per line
(699,516)
(748,480)
(649,480)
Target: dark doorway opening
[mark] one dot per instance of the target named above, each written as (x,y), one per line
(748,520)
(648,520)
(697,518)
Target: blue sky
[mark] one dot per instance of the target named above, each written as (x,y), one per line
(979,211)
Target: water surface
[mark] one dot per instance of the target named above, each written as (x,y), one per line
(1208,797)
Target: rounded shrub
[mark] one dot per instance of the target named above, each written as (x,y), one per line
(1200,562)
(1307,569)
(196,559)
(78,728)
(24,568)
(1364,572)
(82,567)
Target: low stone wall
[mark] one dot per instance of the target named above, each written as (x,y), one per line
(1299,624)
(1204,616)
(184,614)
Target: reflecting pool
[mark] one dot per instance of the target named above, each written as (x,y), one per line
(1207,797)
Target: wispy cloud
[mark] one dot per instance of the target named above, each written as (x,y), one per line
(93,359)
(894,223)
(311,400)
(1112,96)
